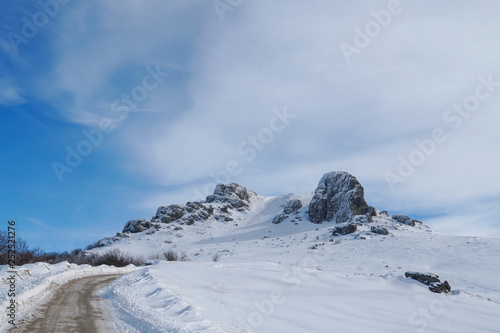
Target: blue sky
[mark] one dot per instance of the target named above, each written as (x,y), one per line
(267,94)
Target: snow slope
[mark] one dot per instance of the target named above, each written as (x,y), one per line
(296,277)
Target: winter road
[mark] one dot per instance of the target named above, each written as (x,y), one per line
(74,307)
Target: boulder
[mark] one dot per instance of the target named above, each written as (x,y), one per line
(344,229)
(379,230)
(279,218)
(371,211)
(292,206)
(338,197)
(405,219)
(235,195)
(431,280)
(135,226)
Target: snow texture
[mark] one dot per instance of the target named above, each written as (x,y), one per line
(298,276)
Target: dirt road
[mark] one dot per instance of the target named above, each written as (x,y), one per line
(75,307)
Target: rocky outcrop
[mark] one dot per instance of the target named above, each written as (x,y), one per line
(168,214)
(235,195)
(405,220)
(280,218)
(292,206)
(338,198)
(139,225)
(379,230)
(188,213)
(431,280)
(344,229)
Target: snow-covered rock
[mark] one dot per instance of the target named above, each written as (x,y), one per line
(431,280)
(338,197)
(168,214)
(405,219)
(379,230)
(344,229)
(292,206)
(235,195)
(138,225)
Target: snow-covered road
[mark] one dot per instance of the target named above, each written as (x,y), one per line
(74,307)
(36,284)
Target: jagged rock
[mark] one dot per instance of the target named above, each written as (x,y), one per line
(234,194)
(169,214)
(371,211)
(431,280)
(279,218)
(138,225)
(440,287)
(292,206)
(344,229)
(338,197)
(191,207)
(405,219)
(379,230)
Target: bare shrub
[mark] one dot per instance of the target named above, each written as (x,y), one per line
(216,257)
(170,255)
(116,258)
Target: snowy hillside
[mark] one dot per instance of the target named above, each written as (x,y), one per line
(276,271)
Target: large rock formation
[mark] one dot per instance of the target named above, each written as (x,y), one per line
(338,197)
(235,195)
(188,213)
(231,196)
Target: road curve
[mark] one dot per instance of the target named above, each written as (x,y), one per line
(74,307)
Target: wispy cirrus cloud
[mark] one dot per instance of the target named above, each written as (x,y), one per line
(10,95)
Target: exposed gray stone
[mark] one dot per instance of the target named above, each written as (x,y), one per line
(138,225)
(431,280)
(338,197)
(405,219)
(234,194)
(371,211)
(292,206)
(344,229)
(169,214)
(279,218)
(379,230)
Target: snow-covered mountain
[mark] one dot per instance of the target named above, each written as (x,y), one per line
(237,221)
(297,263)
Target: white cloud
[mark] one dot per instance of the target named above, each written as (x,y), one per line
(10,95)
(358,117)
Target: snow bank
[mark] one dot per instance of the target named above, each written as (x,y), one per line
(269,297)
(36,281)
